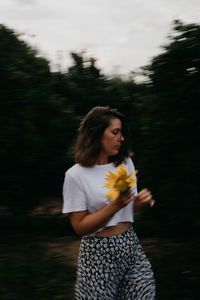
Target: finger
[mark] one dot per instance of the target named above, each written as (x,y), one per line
(127,193)
(152,202)
(123,197)
(147,193)
(146,199)
(127,197)
(133,196)
(144,193)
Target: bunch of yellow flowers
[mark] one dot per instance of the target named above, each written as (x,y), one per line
(120,182)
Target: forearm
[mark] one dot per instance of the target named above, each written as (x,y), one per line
(92,222)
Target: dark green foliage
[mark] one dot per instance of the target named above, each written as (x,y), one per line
(36,125)
(173,128)
(84,84)
(41,111)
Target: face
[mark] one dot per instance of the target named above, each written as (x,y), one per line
(112,138)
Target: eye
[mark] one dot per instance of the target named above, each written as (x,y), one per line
(115,132)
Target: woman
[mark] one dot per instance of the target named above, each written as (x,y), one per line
(112,264)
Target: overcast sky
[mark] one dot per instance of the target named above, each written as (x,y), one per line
(122,34)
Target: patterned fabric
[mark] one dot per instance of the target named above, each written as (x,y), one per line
(114,268)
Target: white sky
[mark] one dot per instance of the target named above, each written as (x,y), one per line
(122,34)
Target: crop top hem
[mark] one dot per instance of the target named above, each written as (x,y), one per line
(68,211)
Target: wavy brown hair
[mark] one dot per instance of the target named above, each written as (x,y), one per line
(88,146)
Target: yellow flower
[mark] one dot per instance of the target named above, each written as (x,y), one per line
(119,182)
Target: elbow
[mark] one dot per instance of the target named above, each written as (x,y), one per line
(80,224)
(77,222)
(79,232)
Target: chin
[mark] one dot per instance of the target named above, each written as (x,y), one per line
(115,152)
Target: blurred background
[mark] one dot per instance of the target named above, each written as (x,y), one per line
(40,111)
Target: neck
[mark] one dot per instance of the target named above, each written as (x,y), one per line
(102,159)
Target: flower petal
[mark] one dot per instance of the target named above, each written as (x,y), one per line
(119,182)
(113,194)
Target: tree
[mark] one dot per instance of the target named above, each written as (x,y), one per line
(36,124)
(173,126)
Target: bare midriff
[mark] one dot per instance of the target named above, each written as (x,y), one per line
(114,230)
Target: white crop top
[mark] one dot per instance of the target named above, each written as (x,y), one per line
(84,189)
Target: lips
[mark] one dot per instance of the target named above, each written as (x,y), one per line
(118,147)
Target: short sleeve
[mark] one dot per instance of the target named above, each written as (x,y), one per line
(73,195)
(131,168)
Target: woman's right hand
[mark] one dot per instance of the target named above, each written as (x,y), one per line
(124,199)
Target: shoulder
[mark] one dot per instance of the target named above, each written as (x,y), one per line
(129,163)
(79,174)
(73,177)
(75,171)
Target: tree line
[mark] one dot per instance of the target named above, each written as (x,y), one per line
(41,111)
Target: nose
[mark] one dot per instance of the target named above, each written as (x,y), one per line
(122,138)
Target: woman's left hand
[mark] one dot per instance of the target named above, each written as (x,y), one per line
(144,197)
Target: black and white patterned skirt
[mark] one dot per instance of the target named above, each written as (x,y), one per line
(114,268)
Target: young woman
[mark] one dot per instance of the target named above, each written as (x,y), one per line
(112,264)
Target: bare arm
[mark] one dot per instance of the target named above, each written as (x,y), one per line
(84,223)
